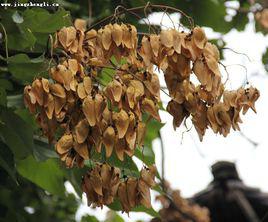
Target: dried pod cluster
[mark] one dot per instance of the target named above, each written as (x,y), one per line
(103,183)
(81,113)
(176,208)
(93,115)
(179,55)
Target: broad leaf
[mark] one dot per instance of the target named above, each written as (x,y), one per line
(25,69)
(3,97)
(117,207)
(47,174)
(7,162)
(41,21)
(16,133)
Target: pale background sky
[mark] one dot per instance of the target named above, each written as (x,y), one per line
(188,161)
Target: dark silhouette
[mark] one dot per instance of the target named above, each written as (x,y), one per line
(230,200)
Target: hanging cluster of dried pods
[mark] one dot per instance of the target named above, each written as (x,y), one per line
(103,183)
(262,17)
(136,191)
(187,211)
(180,54)
(94,115)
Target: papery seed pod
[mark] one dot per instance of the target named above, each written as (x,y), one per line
(114,91)
(144,194)
(50,106)
(199,37)
(166,38)
(123,197)
(57,90)
(37,90)
(148,175)
(96,180)
(82,130)
(155,44)
(141,132)
(149,107)
(109,140)
(99,104)
(64,144)
(81,92)
(67,36)
(120,147)
(121,123)
(87,85)
(88,107)
(117,34)
(132,191)
(82,150)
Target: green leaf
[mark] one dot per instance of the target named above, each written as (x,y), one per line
(15,101)
(74,176)
(41,21)
(149,211)
(25,69)
(152,129)
(6,161)
(147,154)
(265,59)
(3,97)
(89,218)
(117,207)
(128,165)
(106,76)
(6,84)
(47,175)
(43,151)
(209,13)
(240,20)
(18,37)
(16,133)
(27,117)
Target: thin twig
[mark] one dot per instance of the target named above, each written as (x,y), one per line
(252,142)
(239,53)
(163,7)
(6,41)
(228,75)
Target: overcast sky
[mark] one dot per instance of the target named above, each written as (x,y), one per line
(188,161)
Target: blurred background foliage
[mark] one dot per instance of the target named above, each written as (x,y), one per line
(32,178)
